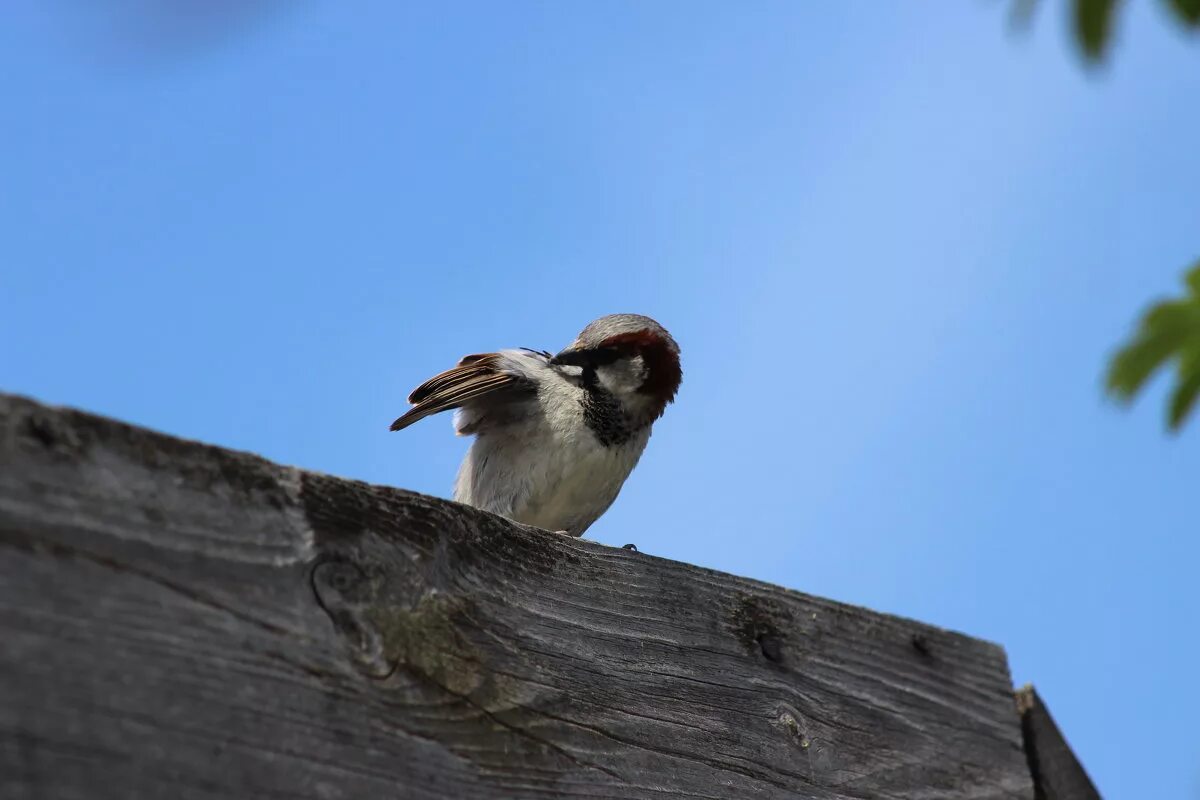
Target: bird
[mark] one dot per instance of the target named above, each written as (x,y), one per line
(556,435)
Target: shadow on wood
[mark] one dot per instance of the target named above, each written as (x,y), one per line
(189,622)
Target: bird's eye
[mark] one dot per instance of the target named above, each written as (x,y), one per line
(601,356)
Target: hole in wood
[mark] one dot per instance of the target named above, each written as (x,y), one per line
(771,646)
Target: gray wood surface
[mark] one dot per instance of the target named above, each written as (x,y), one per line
(182,621)
(1057,774)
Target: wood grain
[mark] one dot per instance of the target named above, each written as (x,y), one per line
(182,621)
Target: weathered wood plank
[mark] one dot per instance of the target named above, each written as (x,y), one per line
(1057,774)
(189,622)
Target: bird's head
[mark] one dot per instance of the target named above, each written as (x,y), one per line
(630,356)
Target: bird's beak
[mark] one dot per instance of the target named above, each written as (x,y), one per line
(571,357)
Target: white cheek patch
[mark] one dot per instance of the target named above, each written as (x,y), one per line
(623,377)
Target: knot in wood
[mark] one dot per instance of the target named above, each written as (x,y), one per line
(393,623)
(343,590)
(339,583)
(754,624)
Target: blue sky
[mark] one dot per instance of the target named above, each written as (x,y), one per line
(896,244)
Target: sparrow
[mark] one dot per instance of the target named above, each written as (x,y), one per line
(556,435)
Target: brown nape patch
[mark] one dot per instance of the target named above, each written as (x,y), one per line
(664,373)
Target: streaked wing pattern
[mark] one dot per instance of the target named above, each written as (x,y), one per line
(474,377)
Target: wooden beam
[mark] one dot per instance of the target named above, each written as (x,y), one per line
(184,621)
(1057,774)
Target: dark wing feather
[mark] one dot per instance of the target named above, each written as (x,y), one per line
(474,377)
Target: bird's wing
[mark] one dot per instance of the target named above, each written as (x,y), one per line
(494,376)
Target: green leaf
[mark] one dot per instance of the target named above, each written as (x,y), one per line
(1188,11)
(1171,317)
(1168,331)
(1133,365)
(1183,399)
(1093,26)
(1193,280)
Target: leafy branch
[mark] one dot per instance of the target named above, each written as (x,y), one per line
(1170,330)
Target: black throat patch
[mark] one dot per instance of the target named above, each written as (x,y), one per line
(603,415)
